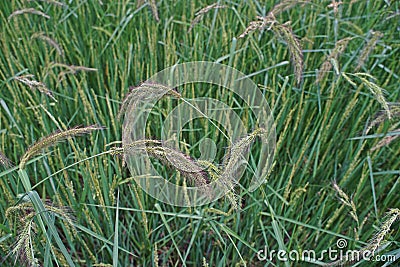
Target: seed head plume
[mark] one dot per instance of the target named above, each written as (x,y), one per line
(28,11)
(154,10)
(198,173)
(347,201)
(170,157)
(333,58)
(53,139)
(295,50)
(282,30)
(53,2)
(268,21)
(68,69)
(22,215)
(186,165)
(202,12)
(378,92)
(386,140)
(335,5)
(234,161)
(286,5)
(50,41)
(145,92)
(381,116)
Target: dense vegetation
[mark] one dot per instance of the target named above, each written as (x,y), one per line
(329,70)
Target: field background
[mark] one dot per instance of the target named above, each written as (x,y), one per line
(328,181)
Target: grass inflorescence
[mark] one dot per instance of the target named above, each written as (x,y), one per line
(336,168)
(53,139)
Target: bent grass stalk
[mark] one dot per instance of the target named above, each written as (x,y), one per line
(228,176)
(347,201)
(386,141)
(374,244)
(34,207)
(28,11)
(145,91)
(172,158)
(33,84)
(202,12)
(283,31)
(154,10)
(333,58)
(23,215)
(192,169)
(53,2)
(54,138)
(286,5)
(68,69)
(377,91)
(50,41)
(295,49)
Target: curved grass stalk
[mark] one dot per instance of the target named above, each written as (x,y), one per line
(53,139)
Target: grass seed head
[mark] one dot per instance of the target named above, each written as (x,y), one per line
(386,141)
(327,65)
(33,84)
(286,5)
(28,11)
(5,161)
(23,215)
(285,32)
(145,92)
(382,116)
(369,81)
(378,239)
(347,201)
(202,12)
(171,158)
(154,9)
(53,139)
(234,162)
(368,48)
(50,41)
(295,49)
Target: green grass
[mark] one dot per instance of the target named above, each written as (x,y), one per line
(332,176)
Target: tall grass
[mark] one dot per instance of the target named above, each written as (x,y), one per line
(335,175)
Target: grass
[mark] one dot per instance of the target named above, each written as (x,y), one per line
(330,76)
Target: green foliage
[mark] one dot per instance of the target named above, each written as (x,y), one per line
(69,63)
